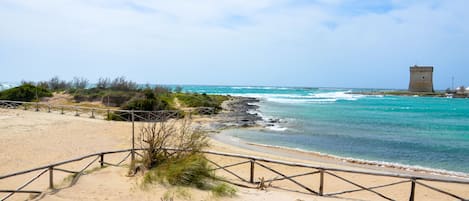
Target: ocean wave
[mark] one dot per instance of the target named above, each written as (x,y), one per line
(304,98)
(276,128)
(338,95)
(265,88)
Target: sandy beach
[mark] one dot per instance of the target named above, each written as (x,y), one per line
(30,139)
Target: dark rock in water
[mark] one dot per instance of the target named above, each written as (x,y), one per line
(237,112)
(272,121)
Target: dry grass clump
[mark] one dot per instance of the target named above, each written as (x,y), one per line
(186,167)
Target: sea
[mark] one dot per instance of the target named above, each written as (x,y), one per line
(430,133)
(426,133)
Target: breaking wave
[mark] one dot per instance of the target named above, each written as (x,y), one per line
(305,98)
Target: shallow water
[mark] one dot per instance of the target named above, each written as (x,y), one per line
(417,131)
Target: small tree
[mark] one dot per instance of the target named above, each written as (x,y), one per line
(103,83)
(79,83)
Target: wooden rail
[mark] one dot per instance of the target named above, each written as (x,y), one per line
(106,114)
(253,161)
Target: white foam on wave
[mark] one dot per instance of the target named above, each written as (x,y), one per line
(338,95)
(306,100)
(277,128)
(266,88)
(325,97)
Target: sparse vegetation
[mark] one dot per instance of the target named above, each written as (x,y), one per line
(118,92)
(187,168)
(201,100)
(25,92)
(223,190)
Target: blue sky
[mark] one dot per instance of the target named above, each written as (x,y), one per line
(335,43)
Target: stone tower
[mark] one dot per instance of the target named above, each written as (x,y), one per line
(421,79)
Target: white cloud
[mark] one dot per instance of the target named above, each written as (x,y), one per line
(319,38)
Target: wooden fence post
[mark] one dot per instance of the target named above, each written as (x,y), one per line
(62,110)
(101,162)
(133,137)
(251,177)
(412,190)
(51,177)
(48,108)
(92,113)
(76,112)
(321,182)
(37,106)
(108,115)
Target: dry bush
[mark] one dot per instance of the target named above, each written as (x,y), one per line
(177,134)
(184,167)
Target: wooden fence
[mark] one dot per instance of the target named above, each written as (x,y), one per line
(242,180)
(104,113)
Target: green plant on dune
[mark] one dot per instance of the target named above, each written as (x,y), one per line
(201,100)
(186,167)
(25,92)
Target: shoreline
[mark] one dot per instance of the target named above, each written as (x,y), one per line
(242,105)
(348,162)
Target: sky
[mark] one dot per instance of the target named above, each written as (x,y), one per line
(314,43)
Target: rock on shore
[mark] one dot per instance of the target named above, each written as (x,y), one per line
(237,112)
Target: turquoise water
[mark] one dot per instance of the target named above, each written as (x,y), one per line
(416,131)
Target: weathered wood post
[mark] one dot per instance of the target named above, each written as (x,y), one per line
(62,110)
(132,155)
(108,115)
(321,182)
(51,177)
(412,190)
(37,106)
(92,113)
(48,108)
(101,162)
(76,112)
(251,177)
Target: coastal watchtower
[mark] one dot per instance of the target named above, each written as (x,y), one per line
(421,79)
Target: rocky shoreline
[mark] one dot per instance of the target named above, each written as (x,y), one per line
(238,112)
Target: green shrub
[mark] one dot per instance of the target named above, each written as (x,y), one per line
(25,92)
(192,170)
(189,171)
(201,100)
